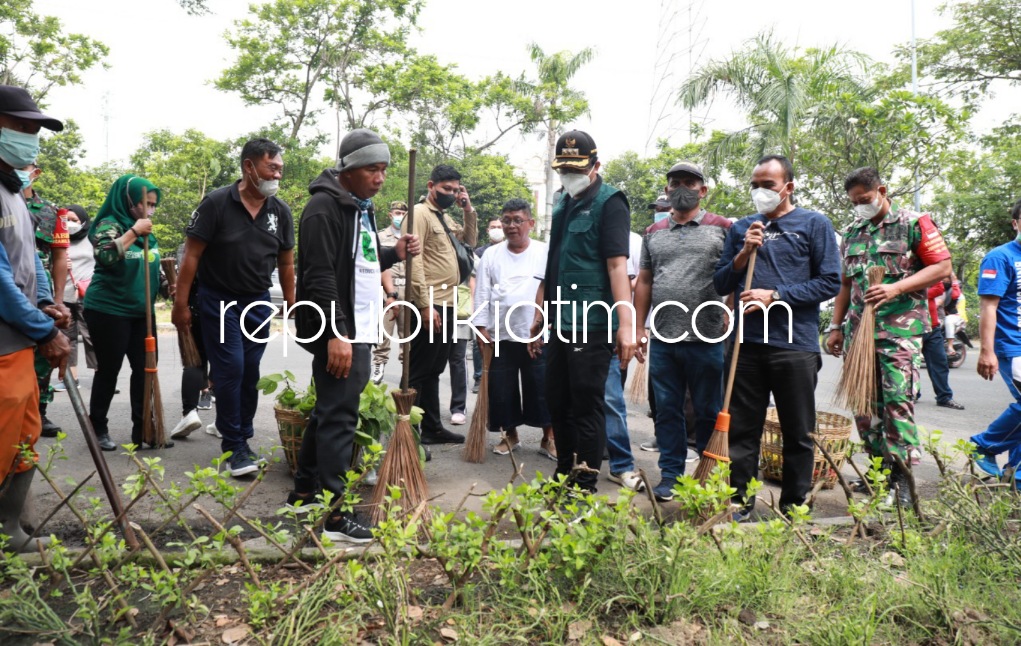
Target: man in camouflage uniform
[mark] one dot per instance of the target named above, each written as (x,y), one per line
(52,242)
(910,247)
(394,291)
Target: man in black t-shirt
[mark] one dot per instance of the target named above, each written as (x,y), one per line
(237,236)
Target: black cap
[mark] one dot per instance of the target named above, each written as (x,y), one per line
(662,202)
(575,149)
(16,102)
(690,168)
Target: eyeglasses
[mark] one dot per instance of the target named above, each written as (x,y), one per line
(513,221)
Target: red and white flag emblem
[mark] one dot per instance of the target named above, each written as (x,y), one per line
(989,273)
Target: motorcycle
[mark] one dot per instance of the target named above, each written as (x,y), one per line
(958,340)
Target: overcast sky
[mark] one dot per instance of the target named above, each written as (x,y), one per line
(162,61)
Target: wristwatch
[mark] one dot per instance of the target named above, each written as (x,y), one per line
(834,327)
(775,296)
(391,294)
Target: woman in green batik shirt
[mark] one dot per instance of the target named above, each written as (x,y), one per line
(115,303)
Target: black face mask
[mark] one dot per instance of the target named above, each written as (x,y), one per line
(445,200)
(684,199)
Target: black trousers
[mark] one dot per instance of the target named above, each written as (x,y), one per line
(428,362)
(115,337)
(328,442)
(791,376)
(575,391)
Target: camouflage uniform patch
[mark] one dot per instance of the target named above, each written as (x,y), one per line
(43,370)
(897,364)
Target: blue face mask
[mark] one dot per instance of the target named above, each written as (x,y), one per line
(662,215)
(19,149)
(25,177)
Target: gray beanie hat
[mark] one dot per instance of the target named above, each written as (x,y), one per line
(362,147)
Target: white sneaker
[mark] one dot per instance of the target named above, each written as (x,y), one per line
(211,430)
(629,479)
(377,373)
(457,419)
(188,423)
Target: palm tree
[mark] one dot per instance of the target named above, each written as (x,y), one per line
(555,104)
(779,89)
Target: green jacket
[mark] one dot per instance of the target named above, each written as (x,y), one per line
(118,284)
(581,272)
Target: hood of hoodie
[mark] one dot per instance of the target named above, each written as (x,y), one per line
(328,183)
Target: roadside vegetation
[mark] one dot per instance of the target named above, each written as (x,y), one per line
(539,565)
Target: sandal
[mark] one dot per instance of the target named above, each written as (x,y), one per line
(548,448)
(505,447)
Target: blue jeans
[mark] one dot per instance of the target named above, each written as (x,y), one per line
(674,367)
(476,359)
(618,442)
(1004,434)
(234,363)
(935,352)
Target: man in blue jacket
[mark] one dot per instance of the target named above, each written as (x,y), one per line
(27,313)
(797,267)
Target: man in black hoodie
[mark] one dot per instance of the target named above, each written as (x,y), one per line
(339,270)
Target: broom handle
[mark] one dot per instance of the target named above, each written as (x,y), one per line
(145,271)
(737,344)
(406,328)
(109,485)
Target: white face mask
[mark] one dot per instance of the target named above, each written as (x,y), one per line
(575,183)
(266,187)
(871,210)
(765,200)
(73,227)
(496,235)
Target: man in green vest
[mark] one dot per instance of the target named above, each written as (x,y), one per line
(586,274)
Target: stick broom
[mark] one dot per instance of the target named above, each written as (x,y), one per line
(401,466)
(153,432)
(185,342)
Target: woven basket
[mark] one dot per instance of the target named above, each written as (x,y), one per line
(833,432)
(291,424)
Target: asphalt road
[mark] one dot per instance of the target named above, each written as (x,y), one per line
(449,477)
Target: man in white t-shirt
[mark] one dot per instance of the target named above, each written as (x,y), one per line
(505,282)
(339,270)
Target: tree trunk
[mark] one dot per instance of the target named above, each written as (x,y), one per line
(551,147)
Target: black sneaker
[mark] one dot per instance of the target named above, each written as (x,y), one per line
(105,442)
(346,528)
(302,503)
(49,428)
(950,404)
(443,436)
(241,464)
(205,400)
(664,491)
(256,458)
